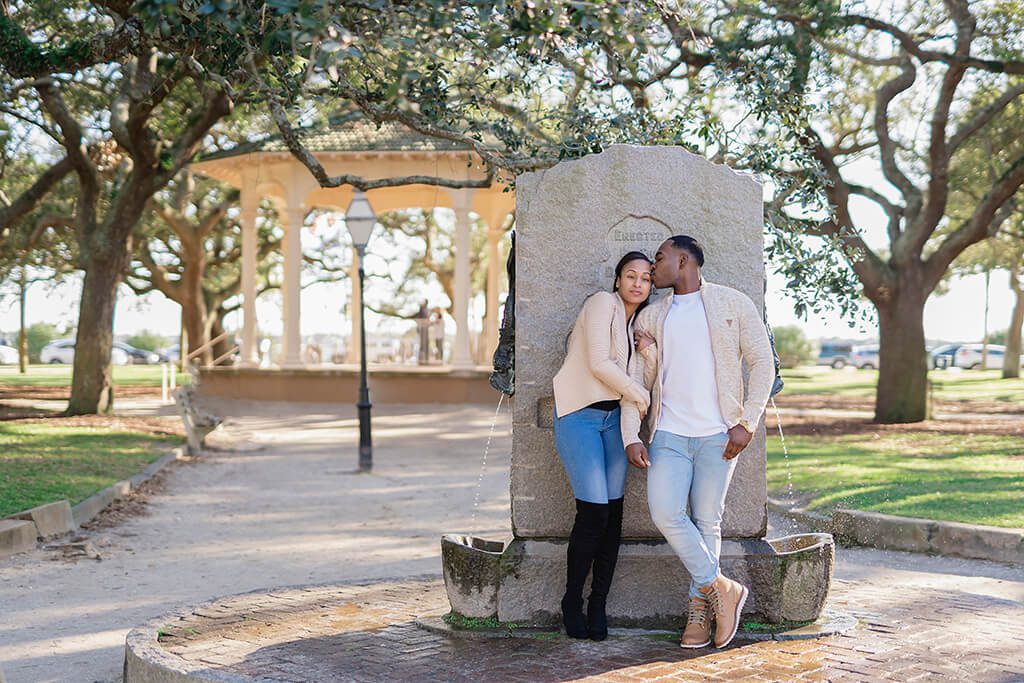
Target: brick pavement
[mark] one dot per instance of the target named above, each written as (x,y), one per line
(369,633)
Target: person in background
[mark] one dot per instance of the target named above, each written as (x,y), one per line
(436,334)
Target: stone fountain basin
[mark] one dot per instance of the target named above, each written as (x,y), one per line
(522,580)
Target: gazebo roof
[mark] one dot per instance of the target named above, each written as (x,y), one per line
(348,134)
(352,144)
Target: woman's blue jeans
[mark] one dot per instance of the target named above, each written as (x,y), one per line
(590,446)
(690,469)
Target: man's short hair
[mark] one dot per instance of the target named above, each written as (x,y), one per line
(689,244)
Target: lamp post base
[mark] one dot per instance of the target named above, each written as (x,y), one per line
(365,440)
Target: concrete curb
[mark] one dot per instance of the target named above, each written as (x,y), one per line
(16,536)
(95,504)
(891,532)
(51,519)
(55,519)
(145,660)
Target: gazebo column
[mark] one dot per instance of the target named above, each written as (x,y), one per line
(352,354)
(294,217)
(493,284)
(461,356)
(249,206)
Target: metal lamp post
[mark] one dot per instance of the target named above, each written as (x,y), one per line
(360,219)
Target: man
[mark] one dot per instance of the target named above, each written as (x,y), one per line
(691,346)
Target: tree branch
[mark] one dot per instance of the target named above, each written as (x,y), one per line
(22,58)
(912,47)
(986,219)
(28,200)
(886,146)
(984,117)
(865,262)
(158,274)
(219,106)
(923,226)
(78,156)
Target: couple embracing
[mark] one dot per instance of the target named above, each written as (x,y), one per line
(659,387)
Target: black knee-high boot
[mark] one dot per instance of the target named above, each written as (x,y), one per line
(604,568)
(587,533)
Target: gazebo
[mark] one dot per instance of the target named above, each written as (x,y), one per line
(265,169)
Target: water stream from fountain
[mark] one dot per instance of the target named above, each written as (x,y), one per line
(785,452)
(483,465)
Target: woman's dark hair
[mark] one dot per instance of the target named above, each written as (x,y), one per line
(629,256)
(626,258)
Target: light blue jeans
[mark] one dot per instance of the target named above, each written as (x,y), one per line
(589,444)
(690,469)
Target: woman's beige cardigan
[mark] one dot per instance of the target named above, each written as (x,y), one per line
(595,363)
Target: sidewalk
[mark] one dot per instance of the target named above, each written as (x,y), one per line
(285,509)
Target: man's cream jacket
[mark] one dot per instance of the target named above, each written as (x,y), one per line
(738,335)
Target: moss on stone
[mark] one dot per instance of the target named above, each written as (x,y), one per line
(464,623)
(761,627)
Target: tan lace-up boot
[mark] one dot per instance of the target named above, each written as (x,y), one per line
(698,625)
(726,598)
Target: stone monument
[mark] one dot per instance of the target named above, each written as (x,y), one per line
(573,222)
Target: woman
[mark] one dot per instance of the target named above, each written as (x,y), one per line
(588,388)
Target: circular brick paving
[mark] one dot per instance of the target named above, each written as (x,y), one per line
(369,632)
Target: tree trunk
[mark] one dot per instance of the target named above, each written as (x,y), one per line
(217,329)
(193,316)
(193,300)
(1011,359)
(902,394)
(22,331)
(92,391)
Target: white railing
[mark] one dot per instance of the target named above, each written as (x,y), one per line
(168,380)
(199,351)
(168,371)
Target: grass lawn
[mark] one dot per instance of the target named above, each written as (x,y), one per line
(42,463)
(60,376)
(973,478)
(949,385)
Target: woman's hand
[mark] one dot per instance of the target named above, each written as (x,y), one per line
(643,339)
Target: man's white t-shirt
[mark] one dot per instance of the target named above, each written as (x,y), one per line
(689,396)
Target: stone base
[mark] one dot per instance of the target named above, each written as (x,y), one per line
(788,579)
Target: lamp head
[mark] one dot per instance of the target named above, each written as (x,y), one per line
(360,219)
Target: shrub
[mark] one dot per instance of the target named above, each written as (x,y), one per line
(146,340)
(793,347)
(39,335)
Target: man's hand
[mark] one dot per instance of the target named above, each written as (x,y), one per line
(636,453)
(739,438)
(643,339)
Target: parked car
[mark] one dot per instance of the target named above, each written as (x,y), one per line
(63,351)
(171,354)
(969,356)
(8,355)
(865,357)
(138,356)
(59,351)
(836,354)
(944,356)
